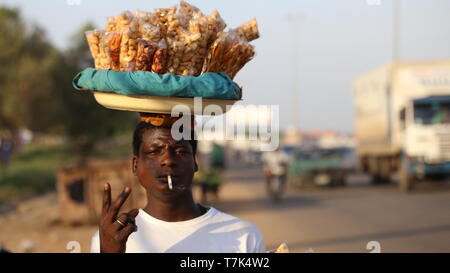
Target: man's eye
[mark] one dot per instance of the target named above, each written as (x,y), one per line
(182,151)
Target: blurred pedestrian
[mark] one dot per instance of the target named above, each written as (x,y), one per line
(214,174)
(276,164)
(5,151)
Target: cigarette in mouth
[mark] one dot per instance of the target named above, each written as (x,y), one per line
(169,179)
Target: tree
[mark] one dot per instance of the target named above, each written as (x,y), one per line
(36,87)
(84,121)
(28,60)
(11,47)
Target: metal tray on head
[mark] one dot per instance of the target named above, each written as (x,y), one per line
(154,104)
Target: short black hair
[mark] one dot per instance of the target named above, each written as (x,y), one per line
(141,127)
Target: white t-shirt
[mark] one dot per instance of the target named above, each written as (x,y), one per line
(212,232)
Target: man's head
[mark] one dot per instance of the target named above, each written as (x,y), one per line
(157,155)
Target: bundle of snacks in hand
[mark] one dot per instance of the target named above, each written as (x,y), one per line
(179,40)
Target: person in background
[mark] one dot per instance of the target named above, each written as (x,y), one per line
(5,151)
(213,175)
(276,164)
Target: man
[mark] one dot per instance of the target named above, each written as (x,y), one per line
(276,164)
(213,175)
(171,221)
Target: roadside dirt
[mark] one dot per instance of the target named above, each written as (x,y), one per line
(33,226)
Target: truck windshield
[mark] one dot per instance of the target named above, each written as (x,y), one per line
(432,111)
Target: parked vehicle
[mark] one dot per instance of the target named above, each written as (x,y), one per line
(402,121)
(322,167)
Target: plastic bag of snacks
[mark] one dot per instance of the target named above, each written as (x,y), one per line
(113,40)
(128,48)
(229,53)
(150,32)
(99,43)
(145,54)
(160,58)
(249,30)
(93,38)
(179,40)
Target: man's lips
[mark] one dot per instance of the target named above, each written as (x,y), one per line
(174,180)
(165,177)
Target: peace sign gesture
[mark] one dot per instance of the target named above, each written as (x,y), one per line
(114,231)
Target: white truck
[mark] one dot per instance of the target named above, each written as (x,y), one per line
(402,121)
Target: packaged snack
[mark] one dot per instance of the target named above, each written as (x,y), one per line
(175,51)
(105,55)
(179,40)
(198,27)
(215,23)
(114,40)
(126,20)
(160,58)
(188,9)
(249,30)
(247,54)
(283,248)
(229,53)
(144,57)
(150,33)
(174,25)
(93,38)
(128,48)
(143,18)
(160,16)
(112,24)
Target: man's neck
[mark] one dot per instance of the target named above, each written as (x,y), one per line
(181,209)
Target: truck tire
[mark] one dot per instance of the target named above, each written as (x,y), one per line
(373,167)
(384,170)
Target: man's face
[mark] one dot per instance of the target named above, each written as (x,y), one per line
(159,156)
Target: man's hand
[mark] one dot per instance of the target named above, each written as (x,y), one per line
(114,231)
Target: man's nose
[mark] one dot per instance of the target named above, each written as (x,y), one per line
(168,159)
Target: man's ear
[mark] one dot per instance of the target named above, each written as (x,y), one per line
(134,165)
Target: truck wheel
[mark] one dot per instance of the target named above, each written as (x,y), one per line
(384,170)
(374,170)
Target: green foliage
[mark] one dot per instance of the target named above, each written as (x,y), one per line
(33,169)
(36,87)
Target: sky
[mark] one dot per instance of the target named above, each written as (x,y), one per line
(334,42)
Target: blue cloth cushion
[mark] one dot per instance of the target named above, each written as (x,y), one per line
(208,85)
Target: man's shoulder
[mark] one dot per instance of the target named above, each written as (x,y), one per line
(234,222)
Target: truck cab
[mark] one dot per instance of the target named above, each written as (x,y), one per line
(427,135)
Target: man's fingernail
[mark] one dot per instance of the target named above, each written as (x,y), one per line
(105,187)
(127,189)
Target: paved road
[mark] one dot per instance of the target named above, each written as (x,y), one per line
(343,219)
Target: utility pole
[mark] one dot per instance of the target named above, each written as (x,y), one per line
(395,30)
(294,20)
(395,57)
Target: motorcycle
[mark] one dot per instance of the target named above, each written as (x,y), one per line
(275,188)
